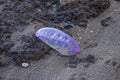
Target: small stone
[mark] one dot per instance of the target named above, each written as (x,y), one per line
(83,24)
(106,21)
(39,10)
(25,65)
(90,58)
(91,31)
(114,63)
(80,37)
(68,26)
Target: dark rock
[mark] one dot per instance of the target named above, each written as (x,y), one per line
(90,59)
(68,26)
(72,62)
(82,24)
(106,21)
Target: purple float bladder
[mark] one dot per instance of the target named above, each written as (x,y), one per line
(58,40)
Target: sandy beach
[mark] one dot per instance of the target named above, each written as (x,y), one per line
(103,42)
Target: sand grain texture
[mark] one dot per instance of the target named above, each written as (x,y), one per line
(107,52)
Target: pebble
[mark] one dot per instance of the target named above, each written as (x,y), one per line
(90,58)
(68,26)
(83,24)
(25,65)
(106,21)
(91,31)
(80,37)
